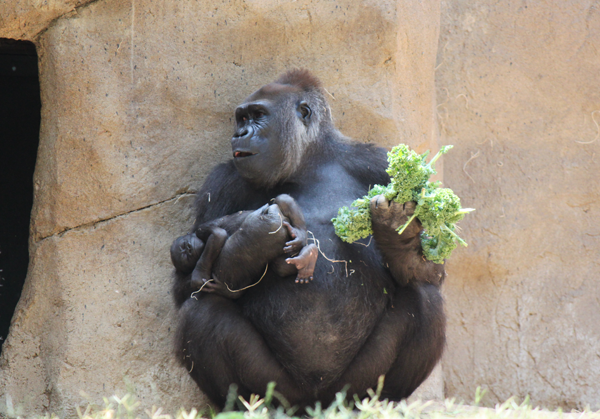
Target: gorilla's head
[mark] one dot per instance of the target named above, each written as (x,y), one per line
(276,124)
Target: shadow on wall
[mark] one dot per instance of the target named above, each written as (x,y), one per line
(19,137)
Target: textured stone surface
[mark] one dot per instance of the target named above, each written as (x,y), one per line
(518,88)
(157,103)
(138,98)
(25,19)
(96,315)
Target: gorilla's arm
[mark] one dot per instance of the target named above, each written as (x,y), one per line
(402,252)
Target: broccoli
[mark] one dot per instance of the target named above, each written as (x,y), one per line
(438,209)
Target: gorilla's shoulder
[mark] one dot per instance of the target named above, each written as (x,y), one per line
(365,161)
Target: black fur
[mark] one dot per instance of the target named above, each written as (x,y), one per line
(374,310)
(226,255)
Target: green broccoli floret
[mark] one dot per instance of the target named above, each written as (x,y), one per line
(355,224)
(408,172)
(438,209)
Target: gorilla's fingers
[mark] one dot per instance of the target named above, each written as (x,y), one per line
(290,229)
(210,286)
(293,246)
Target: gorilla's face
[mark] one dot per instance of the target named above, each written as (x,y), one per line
(271,126)
(255,144)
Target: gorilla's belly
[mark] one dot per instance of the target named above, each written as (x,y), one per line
(315,337)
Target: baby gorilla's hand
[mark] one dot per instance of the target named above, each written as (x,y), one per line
(215,286)
(298,239)
(386,214)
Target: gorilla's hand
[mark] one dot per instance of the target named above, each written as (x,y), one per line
(392,215)
(402,253)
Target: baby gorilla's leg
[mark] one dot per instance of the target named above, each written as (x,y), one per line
(305,263)
(302,265)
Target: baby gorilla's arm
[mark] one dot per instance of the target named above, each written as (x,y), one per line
(304,257)
(203,270)
(296,226)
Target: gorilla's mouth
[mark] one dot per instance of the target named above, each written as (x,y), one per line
(237,154)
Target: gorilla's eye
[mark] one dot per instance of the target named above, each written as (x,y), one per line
(244,118)
(259,114)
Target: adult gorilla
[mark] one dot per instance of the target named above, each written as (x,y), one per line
(383,314)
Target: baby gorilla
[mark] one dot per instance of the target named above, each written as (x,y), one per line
(226,255)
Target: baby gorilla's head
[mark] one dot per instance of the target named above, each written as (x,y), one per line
(185,252)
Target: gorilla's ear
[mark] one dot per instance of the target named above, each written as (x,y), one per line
(304,112)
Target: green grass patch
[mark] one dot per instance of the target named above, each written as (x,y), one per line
(128,407)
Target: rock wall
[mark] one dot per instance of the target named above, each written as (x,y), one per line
(518,95)
(137,107)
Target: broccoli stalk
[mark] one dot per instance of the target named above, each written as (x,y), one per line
(438,209)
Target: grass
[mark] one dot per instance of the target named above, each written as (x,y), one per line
(128,407)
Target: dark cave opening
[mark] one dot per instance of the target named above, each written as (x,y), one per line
(19,137)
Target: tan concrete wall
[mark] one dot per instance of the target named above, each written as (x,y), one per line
(518,90)
(137,100)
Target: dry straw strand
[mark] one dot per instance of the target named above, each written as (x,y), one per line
(597,128)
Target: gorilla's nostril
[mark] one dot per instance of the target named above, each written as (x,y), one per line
(241,133)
